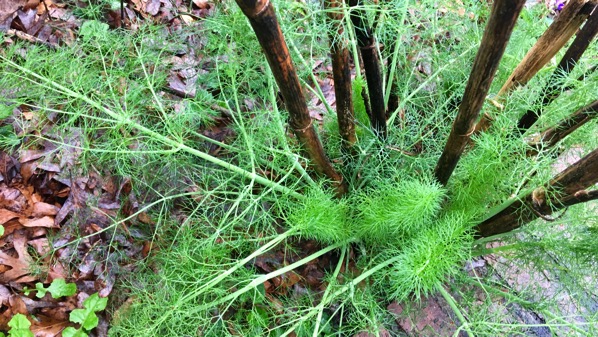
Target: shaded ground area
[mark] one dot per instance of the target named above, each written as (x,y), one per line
(53,230)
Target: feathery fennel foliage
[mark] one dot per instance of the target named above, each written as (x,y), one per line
(405,234)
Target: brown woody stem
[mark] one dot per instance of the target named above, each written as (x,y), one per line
(262,18)
(372,68)
(553,39)
(341,73)
(567,64)
(555,134)
(498,31)
(565,189)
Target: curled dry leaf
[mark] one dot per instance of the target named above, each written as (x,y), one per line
(12,199)
(43,209)
(20,265)
(202,4)
(6,215)
(46,221)
(152,7)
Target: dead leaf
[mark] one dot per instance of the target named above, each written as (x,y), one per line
(12,199)
(201,4)
(17,305)
(42,209)
(6,215)
(8,7)
(50,167)
(47,222)
(41,246)
(47,326)
(4,295)
(20,264)
(152,7)
(25,20)
(144,218)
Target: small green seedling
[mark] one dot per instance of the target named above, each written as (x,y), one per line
(86,317)
(19,327)
(58,288)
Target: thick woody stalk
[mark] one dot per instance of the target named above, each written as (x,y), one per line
(262,18)
(372,68)
(553,39)
(341,73)
(565,189)
(498,31)
(581,42)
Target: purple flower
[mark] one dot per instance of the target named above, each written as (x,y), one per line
(559,5)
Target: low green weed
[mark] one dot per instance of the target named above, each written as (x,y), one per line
(19,327)
(58,288)
(86,317)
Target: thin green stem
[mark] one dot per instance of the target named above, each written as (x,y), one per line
(451,302)
(263,278)
(424,84)
(328,289)
(156,135)
(216,280)
(318,90)
(347,287)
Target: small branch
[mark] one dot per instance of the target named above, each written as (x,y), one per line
(342,73)
(583,39)
(553,39)
(27,37)
(407,153)
(498,31)
(263,20)
(372,67)
(579,197)
(550,137)
(565,189)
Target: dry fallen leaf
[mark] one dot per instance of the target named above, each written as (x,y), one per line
(47,222)
(6,215)
(43,209)
(20,265)
(152,7)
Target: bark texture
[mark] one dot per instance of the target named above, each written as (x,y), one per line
(565,189)
(567,64)
(341,73)
(498,31)
(371,65)
(555,134)
(262,18)
(553,39)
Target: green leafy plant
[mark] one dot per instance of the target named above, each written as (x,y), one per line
(8,138)
(19,327)
(86,316)
(58,288)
